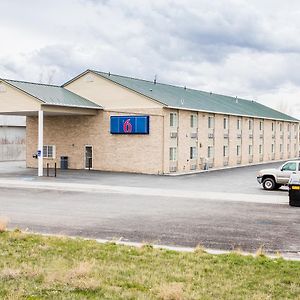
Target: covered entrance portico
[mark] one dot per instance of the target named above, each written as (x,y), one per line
(37,100)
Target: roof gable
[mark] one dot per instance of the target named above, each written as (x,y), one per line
(52,95)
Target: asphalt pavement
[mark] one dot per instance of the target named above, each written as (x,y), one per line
(222,209)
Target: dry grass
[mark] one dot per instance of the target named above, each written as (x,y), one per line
(3,224)
(9,273)
(173,291)
(35,267)
(260,251)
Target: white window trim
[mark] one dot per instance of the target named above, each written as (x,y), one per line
(45,153)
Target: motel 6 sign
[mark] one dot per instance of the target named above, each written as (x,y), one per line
(129,124)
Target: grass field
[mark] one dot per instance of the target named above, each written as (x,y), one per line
(37,267)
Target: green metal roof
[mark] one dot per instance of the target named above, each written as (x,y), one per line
(52,94)
(181,97)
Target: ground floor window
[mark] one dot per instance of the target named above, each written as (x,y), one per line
(238,150)
(210,151)
(173,153)
(250,150)
(273,148)
(49,151)
(260,149)
(225,151)
(193,153)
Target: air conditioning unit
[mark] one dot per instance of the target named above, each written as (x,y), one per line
(250,136)
(173,168)
(239,136)
(226,135)
(193,135)
(210,135)
(261,135)
(273,136)
(193,167)
(173,135)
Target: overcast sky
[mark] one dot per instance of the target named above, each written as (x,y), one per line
(242,48)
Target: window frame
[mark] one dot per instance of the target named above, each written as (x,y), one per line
(173,154)
(46,152)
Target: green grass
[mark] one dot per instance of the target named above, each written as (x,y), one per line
(37,267)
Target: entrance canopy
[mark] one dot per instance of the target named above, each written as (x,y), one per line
(30,99)
(25,98)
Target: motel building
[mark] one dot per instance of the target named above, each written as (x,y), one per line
(115,123)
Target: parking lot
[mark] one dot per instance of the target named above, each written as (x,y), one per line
(221,209)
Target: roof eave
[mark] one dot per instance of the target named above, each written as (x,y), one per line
(233,114)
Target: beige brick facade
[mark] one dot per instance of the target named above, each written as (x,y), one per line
(180,140)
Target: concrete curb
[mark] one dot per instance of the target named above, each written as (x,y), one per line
(223,168)
(294,257)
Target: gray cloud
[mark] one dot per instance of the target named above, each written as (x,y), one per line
(237,47)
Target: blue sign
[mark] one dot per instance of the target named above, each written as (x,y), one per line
(129,124)
(39,153)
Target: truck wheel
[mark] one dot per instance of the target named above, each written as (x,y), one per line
(269,184)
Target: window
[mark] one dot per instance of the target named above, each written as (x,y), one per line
(238,150)
(49,151)
(250,124)
(193,121)
(210,152)
(238,124)
(210,122)
(291,166)
(250,150)
(173,119)
(281,148)
(193,153)
(273,148)
(225,123)
(173,154)
(260,149)
(288,148)
(261,125)
(225,151)
(273,127)
(280,127)
(288,127)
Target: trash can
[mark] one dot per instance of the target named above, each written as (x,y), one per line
(294,190)
(64,162)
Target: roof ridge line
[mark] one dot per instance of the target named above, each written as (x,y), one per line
(176,86)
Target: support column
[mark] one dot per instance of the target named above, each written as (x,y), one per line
(40,142)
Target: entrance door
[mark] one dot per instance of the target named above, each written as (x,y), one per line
(88,157)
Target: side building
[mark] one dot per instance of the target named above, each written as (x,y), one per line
(116,123)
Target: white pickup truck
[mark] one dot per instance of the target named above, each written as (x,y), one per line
(272,179)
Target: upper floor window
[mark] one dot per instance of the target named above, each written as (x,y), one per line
(261,125)
(250,124)
(238,124)
(193,121)
(225,123)
(273,127)
(173,119)
(210,122)
(225,151)
(280,126)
